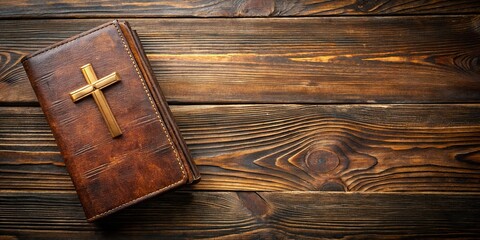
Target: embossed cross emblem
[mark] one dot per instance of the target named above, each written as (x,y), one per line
(94,88)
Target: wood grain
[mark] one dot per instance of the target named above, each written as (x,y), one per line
(365,148)
(270,171)
(344,60)
(231,8)
(229,215)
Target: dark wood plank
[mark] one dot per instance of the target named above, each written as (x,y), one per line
(231,8)
(299,60)
(248,215)
(373,148)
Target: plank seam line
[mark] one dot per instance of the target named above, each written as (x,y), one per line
(20,17)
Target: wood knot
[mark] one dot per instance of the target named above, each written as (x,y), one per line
(259,8)
(333,186)
(365,5)
(321,160)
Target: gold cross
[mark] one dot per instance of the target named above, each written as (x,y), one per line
(94,88)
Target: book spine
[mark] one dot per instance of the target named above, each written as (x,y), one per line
(192,170)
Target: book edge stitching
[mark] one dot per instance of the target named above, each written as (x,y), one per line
(164,130)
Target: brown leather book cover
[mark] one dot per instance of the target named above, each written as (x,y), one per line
(110,119)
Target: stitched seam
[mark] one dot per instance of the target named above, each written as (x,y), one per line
(151,100)
(163,127)
(79,36)
(139,198)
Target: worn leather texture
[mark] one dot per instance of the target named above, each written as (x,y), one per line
(150,157)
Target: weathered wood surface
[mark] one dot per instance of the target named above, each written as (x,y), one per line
(248,215)
(418,59)
(409,170)
(371,148)
(230,8)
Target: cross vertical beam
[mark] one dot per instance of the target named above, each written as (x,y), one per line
(94,88)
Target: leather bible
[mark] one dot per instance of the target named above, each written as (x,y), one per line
(109,118)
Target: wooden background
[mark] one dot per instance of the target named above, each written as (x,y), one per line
(308,119)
